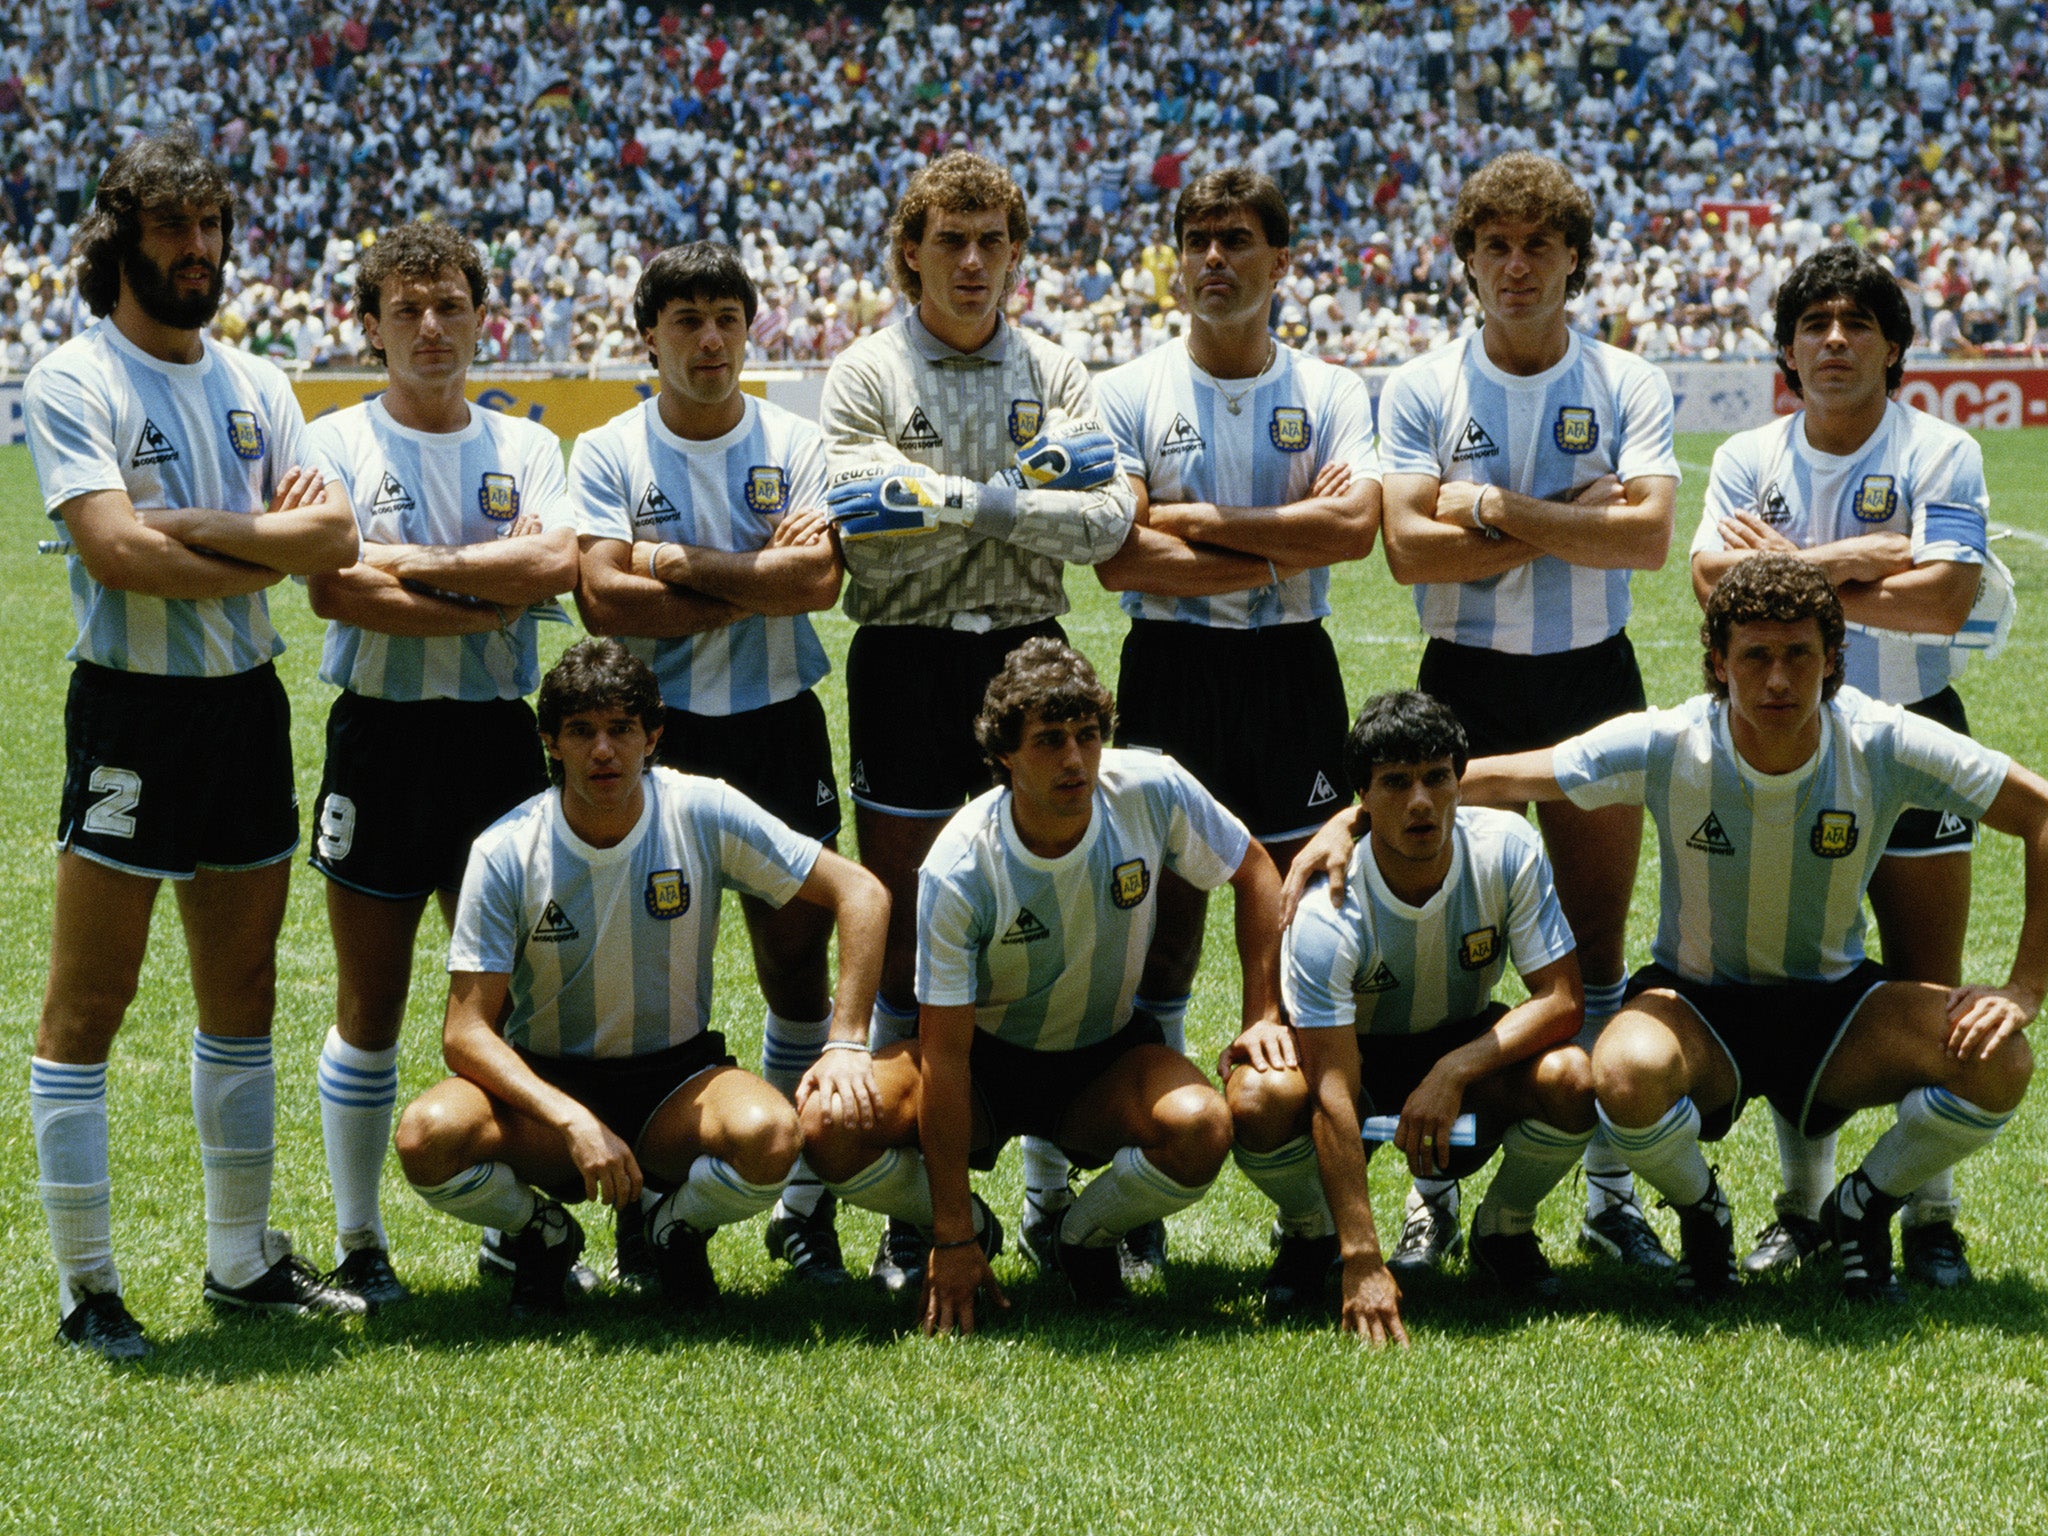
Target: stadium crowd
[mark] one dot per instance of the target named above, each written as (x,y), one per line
(1723,142)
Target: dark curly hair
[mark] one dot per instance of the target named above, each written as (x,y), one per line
(1226,189)
(596,674)
(1520,187)
(1852,273)
(1403,727)
(421,251)
(170,170)
(1773,588)
(1045,678)
(959,182)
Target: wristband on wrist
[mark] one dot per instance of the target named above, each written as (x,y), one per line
(1478,502)
(958,1242)
(846,1045)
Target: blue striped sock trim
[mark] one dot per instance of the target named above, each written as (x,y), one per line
(1946,1106)
(467,1182)
(1142,1166)
(67,1082)
(350,1088)
(1644,1138)
(1540,1133)
(867,1178)
(1287,1155)
(76,1197)
(237,1157)
(231,1050)
(1604,1000)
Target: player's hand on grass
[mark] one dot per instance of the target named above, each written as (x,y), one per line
(1328,853)
(843,1082)
(807,526)
(610,1172)
(881,500)
(1073,456)
(953,1279)
(1371,1305)
(1424,1135)
(1267,1046)
(1980,1019)
(1745,530)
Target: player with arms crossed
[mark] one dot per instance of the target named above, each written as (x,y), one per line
(580,990)
(1528,470)
(1253,469)
(1774,794)
(466,524)
(1890,504)
(974,444)
(180,473)
(1389,985)
(705,544)
(1035,909)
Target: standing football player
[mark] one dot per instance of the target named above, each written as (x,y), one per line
(1890,504)
(1253,470)
(180,473)
(1527,471)
(579,999)
(967,472)
(465,524)
(705,546)
(1035,909)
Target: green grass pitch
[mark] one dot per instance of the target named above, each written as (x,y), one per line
(797,1411)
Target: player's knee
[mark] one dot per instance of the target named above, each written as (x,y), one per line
(1564,1089)
(1197,1124)
(1638,1073)
(432,1140)
(765,1139)
(836,1150)
(1267,1109)
(1999,1082)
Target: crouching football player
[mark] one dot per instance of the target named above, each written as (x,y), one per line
(1389,983)
(1774,795)
(579,990)
(1036,907)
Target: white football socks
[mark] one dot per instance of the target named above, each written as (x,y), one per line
(713,1196)
(68,1112)
(1935,1130)
(894,1184)
(234,1103)
(1126,1194)
(1933,1201)
(1291,1178)
(889,1024)
(488,1195)
(1806,1168)
(1666,1153)
(1172,1014)
(1046,1172)
(1533,1157)
(789,1047)
(1441,1193)
(357,1091)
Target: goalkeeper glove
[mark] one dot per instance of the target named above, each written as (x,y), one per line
(883,499)
(1073,456)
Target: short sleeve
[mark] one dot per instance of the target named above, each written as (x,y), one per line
(1348,437)
(758,853)
(1538,934)
(947,946)
(1319,962)
(547,489)
(486,935)
(1408,427)
(806,469)
(70,437)
(1205,843)
(1608,765)
(597,489)
(1731,488)
(1120,397)
(1647,413)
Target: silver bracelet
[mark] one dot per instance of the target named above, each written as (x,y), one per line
(845,1045)
(1273,571)
(1478,501)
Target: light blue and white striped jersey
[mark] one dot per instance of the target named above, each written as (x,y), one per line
(1049,951)
(1917,476)
(1383,967)
(1452,414)
(1176,428)
(1762,875)
(103,415)
(462,487)
(609,949)
(634,480)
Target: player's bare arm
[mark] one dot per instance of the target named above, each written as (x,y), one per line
(123,551)
(1981,1018)
(1168,565)
(1873,573)
(517,571)
(614,601)
(1606,524)
(958,1270)
(1550,1017)
(843,1077)
(476,1050)
(1420,548)
(1371,1305)
(1337,521)
(1265,1043)
(371,597)
(780,579)
(308,527)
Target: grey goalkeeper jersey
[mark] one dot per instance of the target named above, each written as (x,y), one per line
(903,395)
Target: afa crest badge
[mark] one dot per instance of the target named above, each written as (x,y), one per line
(1876,499)
(1834,834)
(1289,429)
(767,489)
(1575,430)
(1479,948)
(245,434)
(1129,882)
(668,894)
(497,497)
(1026,418)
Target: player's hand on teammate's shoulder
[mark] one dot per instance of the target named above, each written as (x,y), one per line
(1980,1019)
(843,1082)
(1371,1305)
(954,1279)
(1267,1046)
(1327,854)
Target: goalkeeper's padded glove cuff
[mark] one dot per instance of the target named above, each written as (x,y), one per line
(995,510)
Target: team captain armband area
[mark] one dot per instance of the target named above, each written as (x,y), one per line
(793,1409)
